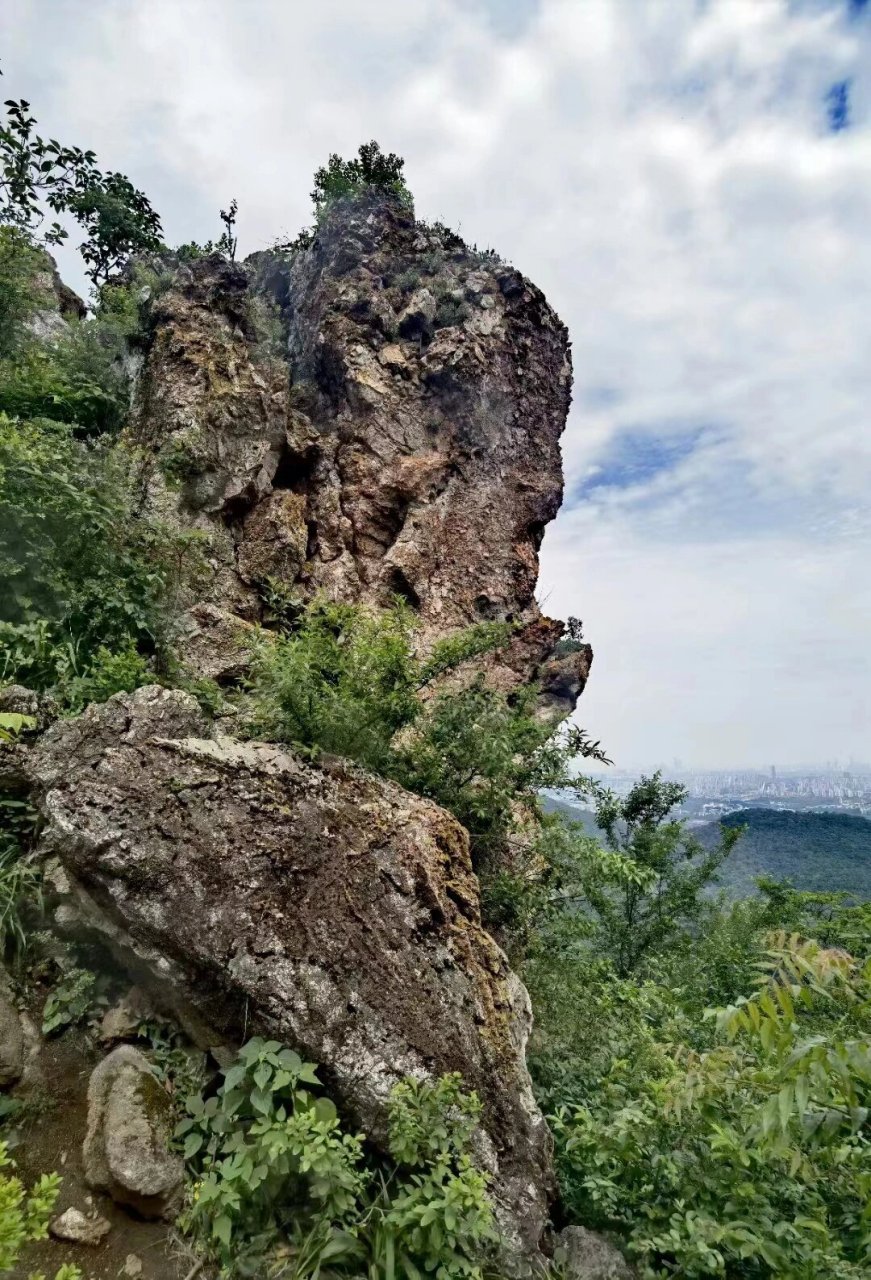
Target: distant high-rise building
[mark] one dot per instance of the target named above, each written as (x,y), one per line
(773,772)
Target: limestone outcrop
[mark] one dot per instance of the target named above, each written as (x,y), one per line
(327,908)
(376,415)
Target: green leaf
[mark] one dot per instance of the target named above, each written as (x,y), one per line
(261,1100)
(193,1143)
(234,1075)
(325,1111)
(222,1228)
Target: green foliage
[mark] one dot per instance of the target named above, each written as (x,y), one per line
(119,221)
(371,167)
(87,582)
(280,1189)
(814,850)
(35,172)
(179,1067)
(573,640)
(20,265)
(647,883)
(750,1156)
(20,878)
(77,373)
(76,997)
(449,312)
(182,458)
(348,681)
(344,682)
(24,1215)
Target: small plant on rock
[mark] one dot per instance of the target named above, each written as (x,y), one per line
(76,997)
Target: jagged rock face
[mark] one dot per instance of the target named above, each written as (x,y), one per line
(320,905)
(403,436)
(438,415)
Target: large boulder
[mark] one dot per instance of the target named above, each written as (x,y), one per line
(322,906)
(126,1151)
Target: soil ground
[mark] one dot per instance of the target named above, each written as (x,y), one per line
(49,1138)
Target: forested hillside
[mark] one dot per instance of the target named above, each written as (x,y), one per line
(826,852)
(818,851)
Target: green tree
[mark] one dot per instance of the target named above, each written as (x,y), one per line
(119,221)
(38,173)
(371,167)
(645,887)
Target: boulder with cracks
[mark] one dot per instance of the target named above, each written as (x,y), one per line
(320,905)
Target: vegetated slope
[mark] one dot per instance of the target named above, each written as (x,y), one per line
(816,851)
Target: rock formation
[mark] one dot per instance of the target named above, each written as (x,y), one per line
(378,415)
(126,1150)
(329,909)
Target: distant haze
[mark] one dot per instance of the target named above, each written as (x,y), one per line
(691,186)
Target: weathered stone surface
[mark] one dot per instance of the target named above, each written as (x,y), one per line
(12,1044)
(407,443)
(122,1020)
(330,909)
(126,1149)
(58,304)
(78,1228)
(588,1256)
(216,643)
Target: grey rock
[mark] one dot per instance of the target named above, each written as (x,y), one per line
(78,1228)
(417,318)
(19,700)
(327,908)
(121,1021)
(126,1149)
(348,466)
(132,1265)
(589,1256)
(12,1044)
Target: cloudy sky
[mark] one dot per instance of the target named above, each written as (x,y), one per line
(690,183)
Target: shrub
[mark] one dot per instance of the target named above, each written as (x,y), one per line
(371,167)
(347,680)
(20,265)
(749,1157)
(646,885)
(88,584)
(77,375)
(24,1216)
(278,1184)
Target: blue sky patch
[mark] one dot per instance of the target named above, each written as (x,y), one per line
(838,106)
(634,457)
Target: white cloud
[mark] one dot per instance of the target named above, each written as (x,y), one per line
(666,174)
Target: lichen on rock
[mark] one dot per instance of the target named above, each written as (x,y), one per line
(126,1151)
(331,909)
(405,443)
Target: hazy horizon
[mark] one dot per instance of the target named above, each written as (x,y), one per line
(690,184)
